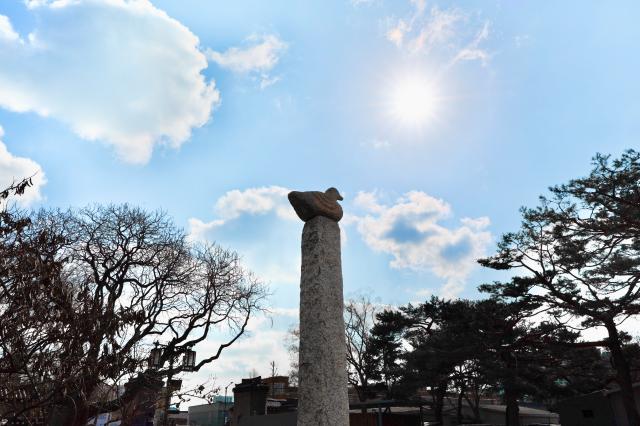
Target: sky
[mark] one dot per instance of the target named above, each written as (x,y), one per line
(436,120)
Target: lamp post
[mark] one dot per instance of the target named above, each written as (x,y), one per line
(225,401)
(157,358)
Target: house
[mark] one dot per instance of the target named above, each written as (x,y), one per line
(250,399)
(279,387)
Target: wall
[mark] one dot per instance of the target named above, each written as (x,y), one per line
(388,419)
(586,410)
(207,414)
(280,419)
(618,407)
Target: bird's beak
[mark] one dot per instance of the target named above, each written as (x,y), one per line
(340,197)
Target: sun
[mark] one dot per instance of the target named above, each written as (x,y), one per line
(414,101)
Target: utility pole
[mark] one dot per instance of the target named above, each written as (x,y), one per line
(273,375)
(167,396)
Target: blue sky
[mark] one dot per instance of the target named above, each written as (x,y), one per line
(212,111)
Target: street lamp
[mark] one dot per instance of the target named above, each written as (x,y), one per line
(154,356)
(156,362)
(189,360)
(225,402)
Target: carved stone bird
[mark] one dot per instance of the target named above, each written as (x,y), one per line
(310,204)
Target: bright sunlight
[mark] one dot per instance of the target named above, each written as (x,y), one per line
(413,101)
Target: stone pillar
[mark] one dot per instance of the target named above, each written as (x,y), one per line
(322,372)
(322,391)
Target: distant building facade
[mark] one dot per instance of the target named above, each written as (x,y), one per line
(279,387)
(250,399)
(214,414)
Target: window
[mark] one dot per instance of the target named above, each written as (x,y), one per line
(587,414)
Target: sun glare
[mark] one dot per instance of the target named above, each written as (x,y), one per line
(413,101)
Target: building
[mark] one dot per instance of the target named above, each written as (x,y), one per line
(215,414)
(250,399)
(495,414)
(279,387)
(271,402)
(177,418)
(601,408)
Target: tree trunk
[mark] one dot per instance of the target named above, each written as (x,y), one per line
(74,412)
(475,402)
(362,397)
(476,405)
(476,412)
(81,414)
(512,414)
(440,393)
(459,413)
(623,375)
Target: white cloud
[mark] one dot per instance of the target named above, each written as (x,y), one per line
(415,231)
(377,144)
(121,72)
(472,51)
(31,4)
(421,32)
(411,231)
(260,56)
(438,30)
(272,266)
(262,344)
(396,33)
(266,81)
(368,201)
(14,169)
(255,201)
(198,230)
(280,266)
(236,203)
(7,34)
(441,31)
(285,312)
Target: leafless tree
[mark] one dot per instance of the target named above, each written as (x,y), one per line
(33,302)
(15,189)
(360,315)
(88,291)
(292,342)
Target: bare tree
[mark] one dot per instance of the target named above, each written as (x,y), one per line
(292,342)
(33,302)
(360,315)
(109,281)
(16,188)
(362,361)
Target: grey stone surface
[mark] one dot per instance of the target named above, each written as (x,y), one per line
(322,391)
(315,203)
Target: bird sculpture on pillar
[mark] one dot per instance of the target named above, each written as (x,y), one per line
(310,204)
